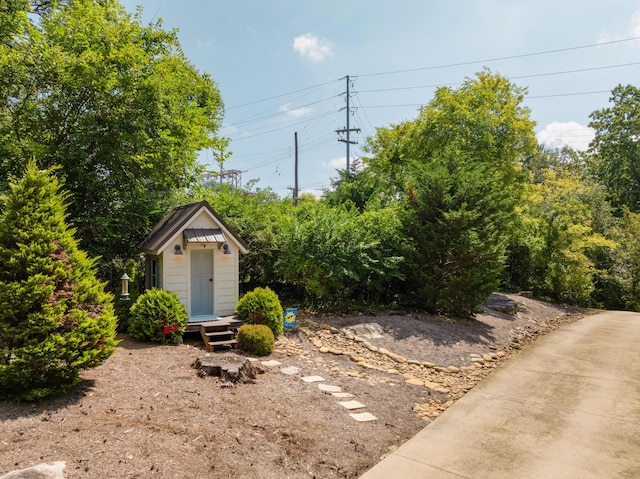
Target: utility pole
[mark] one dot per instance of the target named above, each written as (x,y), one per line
(295,188)
(348,130)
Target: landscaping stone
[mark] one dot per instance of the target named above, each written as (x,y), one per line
(271,363)
(352,404)
(40,471)
(342,395)
(330,389)
(313,379)
(363,416)
(290,371)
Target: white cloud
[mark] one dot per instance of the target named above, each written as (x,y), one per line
(570,133)
(635,23)
(338,163)
(633,30)
(312,47)
(294,112)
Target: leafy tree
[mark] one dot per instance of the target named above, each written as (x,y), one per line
(625,270)
(55,317)
(486,121)
(614,153)
(561,221)
(118,106)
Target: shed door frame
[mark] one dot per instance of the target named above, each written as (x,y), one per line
(202,281)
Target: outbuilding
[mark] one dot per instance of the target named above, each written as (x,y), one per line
(195,254)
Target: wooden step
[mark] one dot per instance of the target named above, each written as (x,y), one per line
(217,334)
(211,345)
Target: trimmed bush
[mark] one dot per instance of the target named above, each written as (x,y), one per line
(256,339)
(152,311)
(262,306)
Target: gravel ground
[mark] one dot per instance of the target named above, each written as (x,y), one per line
(146,413)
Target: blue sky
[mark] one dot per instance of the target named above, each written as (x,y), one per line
(281,67)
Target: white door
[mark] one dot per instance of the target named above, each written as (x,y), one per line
(201,282)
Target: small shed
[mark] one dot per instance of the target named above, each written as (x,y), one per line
(195,254)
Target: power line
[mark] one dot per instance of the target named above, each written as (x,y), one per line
(283,94)
(511,57)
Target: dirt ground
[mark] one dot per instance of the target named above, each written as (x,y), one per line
(146,413)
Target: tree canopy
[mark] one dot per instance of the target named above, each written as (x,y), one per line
(614,153)
(116,104)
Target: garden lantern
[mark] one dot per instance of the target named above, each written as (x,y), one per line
(125,287)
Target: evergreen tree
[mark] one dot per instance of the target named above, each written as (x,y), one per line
(458,220)
(55,317)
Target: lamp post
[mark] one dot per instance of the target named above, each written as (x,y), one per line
(125,287)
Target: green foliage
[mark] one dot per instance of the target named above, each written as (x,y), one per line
(262,306)
(614,152)
(153,310)
(116,104)
(484,119)
(624,273)
(559,218)
(55,317)
(458,220)
(335,253)
(256,339)
(259,219)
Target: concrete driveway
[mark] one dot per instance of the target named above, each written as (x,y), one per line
(568,406)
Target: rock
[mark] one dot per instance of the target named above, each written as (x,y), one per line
(502,305)
(229,367)
(431,385)
(365,330)
(41,471)
(323,349)
(415,382)
(453,369)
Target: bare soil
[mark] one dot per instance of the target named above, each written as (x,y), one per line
(146,413)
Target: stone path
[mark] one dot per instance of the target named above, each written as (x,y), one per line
(445,383)
(335,391)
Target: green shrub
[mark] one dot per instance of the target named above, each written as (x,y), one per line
(262,306)
(55,316)
(256,339)
(152,311)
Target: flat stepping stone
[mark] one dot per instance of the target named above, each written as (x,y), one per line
(271,363)
(329,389)
(342,395)
(415,382)
(313,379)
(351,404)
(291,370)
(363,416)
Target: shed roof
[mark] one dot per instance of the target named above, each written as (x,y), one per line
(176,220)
